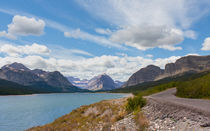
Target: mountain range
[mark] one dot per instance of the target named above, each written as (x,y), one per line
(48,81)
(192,64)
(100,82)
(16,78)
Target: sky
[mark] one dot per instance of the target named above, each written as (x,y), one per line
(85,38)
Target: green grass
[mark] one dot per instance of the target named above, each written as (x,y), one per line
(196,88)
(158,88)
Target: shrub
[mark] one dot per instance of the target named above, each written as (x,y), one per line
(135,103)
(141,121)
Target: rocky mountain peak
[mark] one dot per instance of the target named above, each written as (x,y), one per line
(188,63)
(146,74)
(15,66)
(101,82)
(103,76)
(57,79)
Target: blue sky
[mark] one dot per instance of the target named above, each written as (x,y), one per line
(84,38)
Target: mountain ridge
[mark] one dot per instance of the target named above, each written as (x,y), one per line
(184,64)
(18,73)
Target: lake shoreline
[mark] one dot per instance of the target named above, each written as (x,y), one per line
(96,116)
(129,94)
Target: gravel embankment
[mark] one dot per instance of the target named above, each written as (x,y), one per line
(168,112)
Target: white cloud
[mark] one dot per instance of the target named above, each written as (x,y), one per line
(171,48)
(148,24)
(149,55)
(145,37)
(194,54)
(206,44)
(190,34)
(7,35)
(103,31)
(11,49)
(23,26)
(14,50)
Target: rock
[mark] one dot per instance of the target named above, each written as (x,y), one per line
(146,74)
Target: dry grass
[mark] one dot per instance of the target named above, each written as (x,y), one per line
(141,120)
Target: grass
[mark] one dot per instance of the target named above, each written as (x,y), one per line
(196,88)
(141,121)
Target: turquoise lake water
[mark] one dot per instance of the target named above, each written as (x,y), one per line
(22,112)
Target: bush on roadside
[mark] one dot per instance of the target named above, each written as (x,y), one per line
(141,121)
(135,103)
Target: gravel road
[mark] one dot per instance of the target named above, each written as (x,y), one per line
(198,105)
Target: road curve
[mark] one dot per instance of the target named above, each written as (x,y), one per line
(168,97)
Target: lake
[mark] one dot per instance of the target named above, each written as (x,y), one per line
(22,112)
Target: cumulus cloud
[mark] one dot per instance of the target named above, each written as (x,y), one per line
(146,36)
(118,67)
(206,44)
(23,26)
(7,35)
(35,48)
